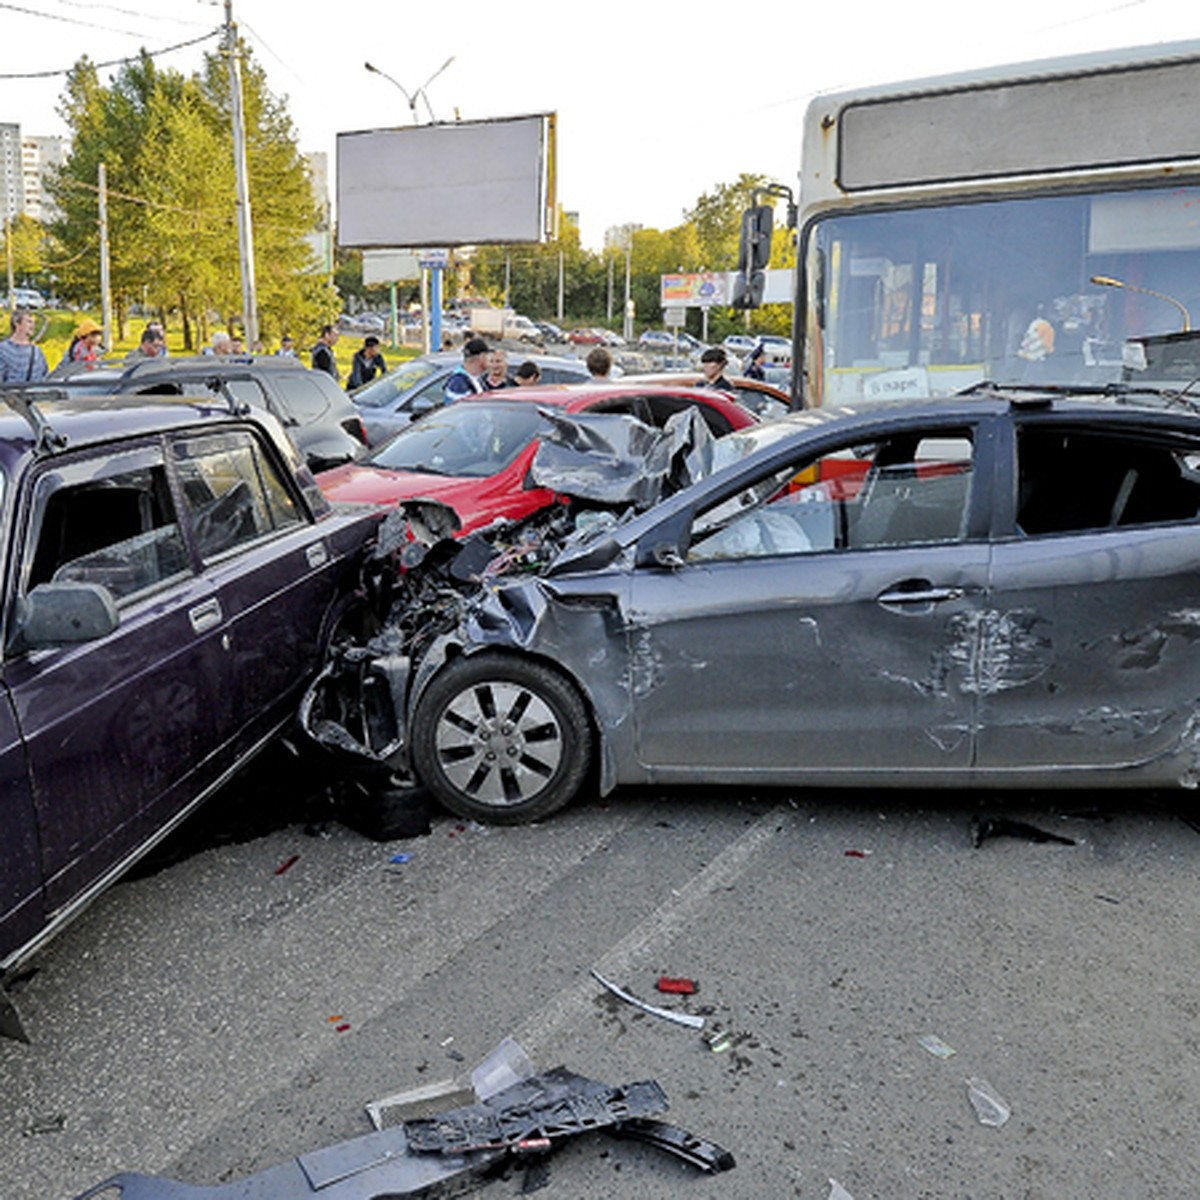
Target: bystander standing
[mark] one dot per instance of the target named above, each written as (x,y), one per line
(466,378)
(599,364)
(322,353)
(368,362)
(21,359)
(529,374)
(497,375)
(85,350)
(151,346)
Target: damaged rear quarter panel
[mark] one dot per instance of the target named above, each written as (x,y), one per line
(1117,613)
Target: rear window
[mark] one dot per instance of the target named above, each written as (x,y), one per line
(466,439)
(304,397)
(384,391)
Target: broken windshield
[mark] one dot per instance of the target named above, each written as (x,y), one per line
(928,301)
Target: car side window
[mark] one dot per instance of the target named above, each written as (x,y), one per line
(906,490)
(1071,480)
(303,396)
(234,493)
(112,523)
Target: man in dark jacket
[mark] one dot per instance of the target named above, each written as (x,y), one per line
(712,363)
(322,352)
(368,362)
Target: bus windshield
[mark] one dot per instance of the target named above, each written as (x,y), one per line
(1032,290)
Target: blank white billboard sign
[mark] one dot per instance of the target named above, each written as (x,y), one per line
(446,185)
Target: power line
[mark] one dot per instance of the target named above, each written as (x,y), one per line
(113,62)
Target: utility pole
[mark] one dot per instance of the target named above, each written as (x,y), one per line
(105,273)
(8,254)
(245,225)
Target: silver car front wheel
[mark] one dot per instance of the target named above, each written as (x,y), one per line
(501,739)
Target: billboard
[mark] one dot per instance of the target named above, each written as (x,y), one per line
(471,182)
(696,290)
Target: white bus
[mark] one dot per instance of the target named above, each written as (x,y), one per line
(1017,224)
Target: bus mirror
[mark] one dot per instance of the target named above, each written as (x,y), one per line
(754,253)
(748,293)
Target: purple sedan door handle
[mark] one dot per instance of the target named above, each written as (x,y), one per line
(204,616)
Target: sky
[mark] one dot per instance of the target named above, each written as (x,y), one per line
(656,105)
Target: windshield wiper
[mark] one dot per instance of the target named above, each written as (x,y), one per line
(1034,393)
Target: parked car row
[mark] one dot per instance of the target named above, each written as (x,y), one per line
(386,405)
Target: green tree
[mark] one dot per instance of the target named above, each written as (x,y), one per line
(31,248)
(167,145)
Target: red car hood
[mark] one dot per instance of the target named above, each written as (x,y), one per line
(478,502)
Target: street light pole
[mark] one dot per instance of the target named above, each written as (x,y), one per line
(245,225)
(412,99)
(433,320)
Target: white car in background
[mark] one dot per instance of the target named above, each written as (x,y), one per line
(27,298)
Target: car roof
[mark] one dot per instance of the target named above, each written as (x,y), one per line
(89,420)
(576,396)
(692,378)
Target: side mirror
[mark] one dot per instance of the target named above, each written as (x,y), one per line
(666,545)
(61,614)
(754,250)
(422,405)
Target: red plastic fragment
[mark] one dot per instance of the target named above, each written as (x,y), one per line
(287,864)
(678,987)
(343,1027)
(857,853)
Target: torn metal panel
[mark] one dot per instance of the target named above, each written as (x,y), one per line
(554,1104)
(615,459)
(700,1152)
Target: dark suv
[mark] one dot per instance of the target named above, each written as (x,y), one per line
(317,414)
(170,576)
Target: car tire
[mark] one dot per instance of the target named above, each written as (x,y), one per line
(501,740)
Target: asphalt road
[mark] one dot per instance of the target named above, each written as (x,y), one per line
(215,1017)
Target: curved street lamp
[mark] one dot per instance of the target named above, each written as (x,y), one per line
(412,99)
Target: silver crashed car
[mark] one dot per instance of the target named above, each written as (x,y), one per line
(1000,589)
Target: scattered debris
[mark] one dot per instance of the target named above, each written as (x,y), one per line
(990,827)
(507,1064)
(1107,899)
(935,1046)
(450,1152)
(837,1192)
(719,1042)
(667,1014)
(339,1023)
(400,858)
(677,987)
(859,853)
(986,1102)
(46,1123)
(287,864)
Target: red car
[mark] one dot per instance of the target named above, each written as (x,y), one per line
(475,455)
(586,337)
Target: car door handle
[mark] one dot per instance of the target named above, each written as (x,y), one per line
(317,555)
(205,616)
(919,591)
